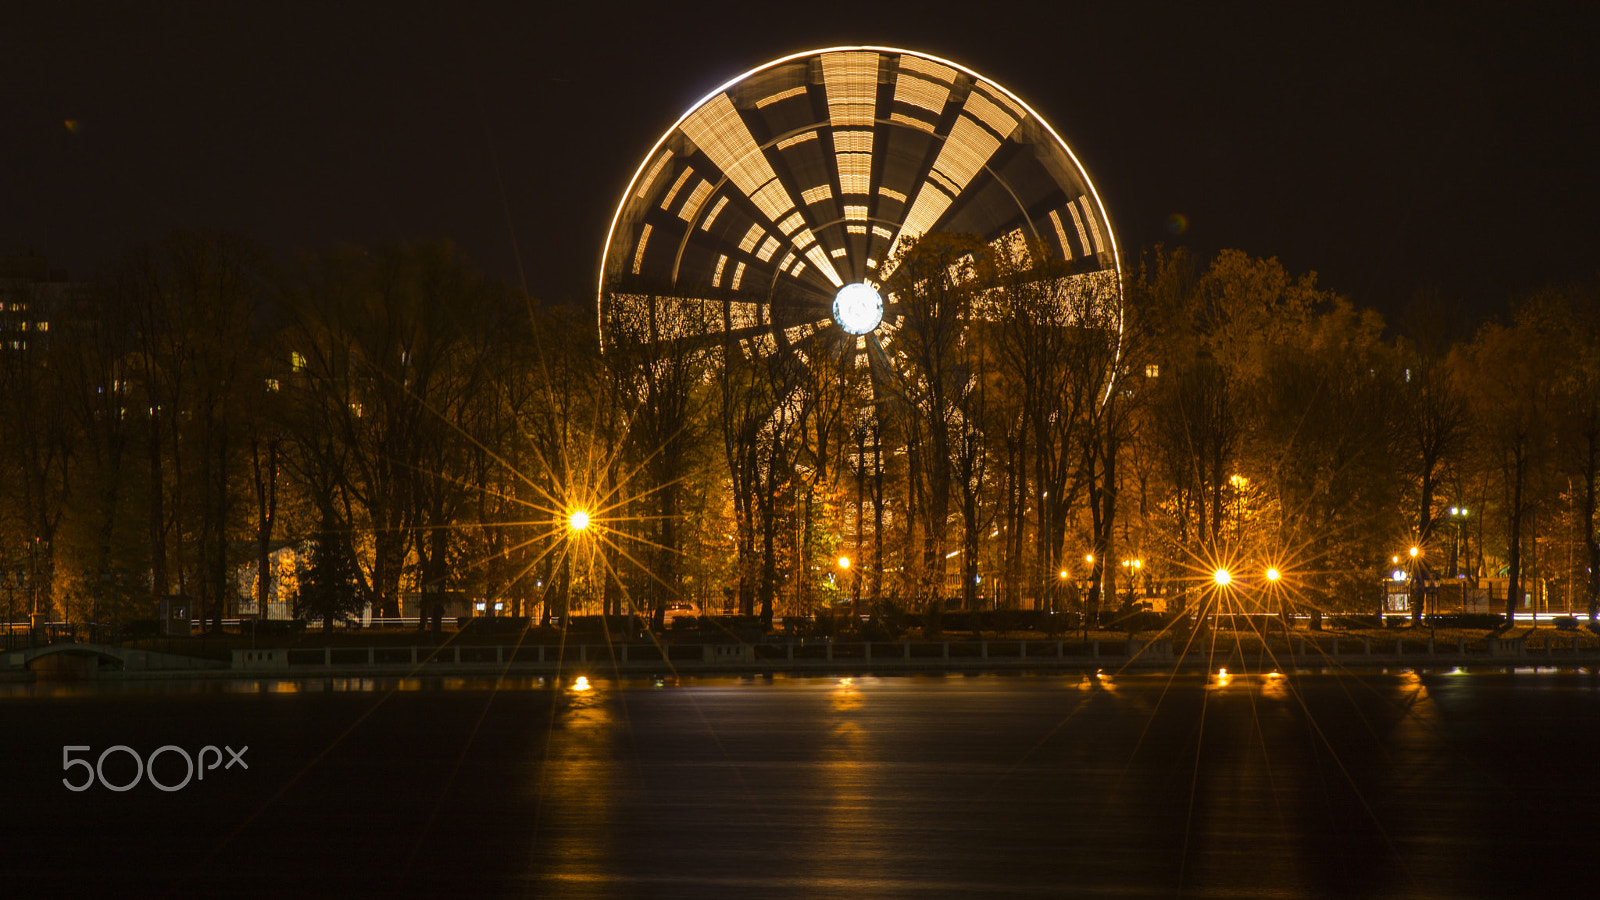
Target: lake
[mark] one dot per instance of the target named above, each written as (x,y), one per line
(1384,784)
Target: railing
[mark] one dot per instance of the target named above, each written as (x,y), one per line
(891,655)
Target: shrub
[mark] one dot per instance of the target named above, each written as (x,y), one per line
(492,624)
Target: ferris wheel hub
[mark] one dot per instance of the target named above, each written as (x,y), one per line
(857,308)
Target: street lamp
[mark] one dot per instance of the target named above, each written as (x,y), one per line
(1458,515)
(1221,577)
(578,520)
(844,562)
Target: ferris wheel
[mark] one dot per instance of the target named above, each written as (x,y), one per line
(770,213)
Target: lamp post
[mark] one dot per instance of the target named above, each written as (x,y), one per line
(855,596)
(1414,597)
(1458,515)
(577,524)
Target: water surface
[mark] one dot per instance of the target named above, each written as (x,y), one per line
(1376,785)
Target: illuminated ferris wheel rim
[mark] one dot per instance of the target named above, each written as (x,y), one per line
(983,151)
(711,95)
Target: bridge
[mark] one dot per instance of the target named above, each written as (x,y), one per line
(84,660)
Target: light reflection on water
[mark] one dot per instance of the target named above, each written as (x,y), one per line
(1292,784)
(846,690)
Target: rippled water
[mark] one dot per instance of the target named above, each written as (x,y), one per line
(1405,784)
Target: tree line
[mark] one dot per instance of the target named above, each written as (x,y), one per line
(1025,436)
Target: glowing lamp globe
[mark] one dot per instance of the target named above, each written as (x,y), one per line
(578,521)
(1221,576)
(857,308)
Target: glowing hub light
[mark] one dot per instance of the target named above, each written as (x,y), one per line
(582,684)
(1063,573)
(1273,574)
(1221,576)
(844,562)
(1414,553)
(578,521)
(857,308)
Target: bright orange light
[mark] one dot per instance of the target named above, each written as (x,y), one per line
(1414,553)
(844,562)
(1089,558)
(1221,577)
(1063,573)
(1273,574)
(578,521)
(581,684)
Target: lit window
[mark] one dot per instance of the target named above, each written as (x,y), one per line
(768,247)
(738,275)
(900,118)
(750,238)
(838,253)
(929,95)
(721,134)
(782,95)
(297,361)
(650,177)
(1152,371)
(1061,234)
(851,79)
(855,173)
(855,229)
(1083,233)
(891,194)
(882,232)
(715,211)
(983,109)
(772,199)
(697,199)
(666,202)
(272,384)
(638,255)
(927,68)
(716,277)
(1094,225)
(858,213)
(786,143)
(817,194)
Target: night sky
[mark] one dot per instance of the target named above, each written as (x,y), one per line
(1391,147)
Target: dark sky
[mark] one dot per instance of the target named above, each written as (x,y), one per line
(1390,147)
